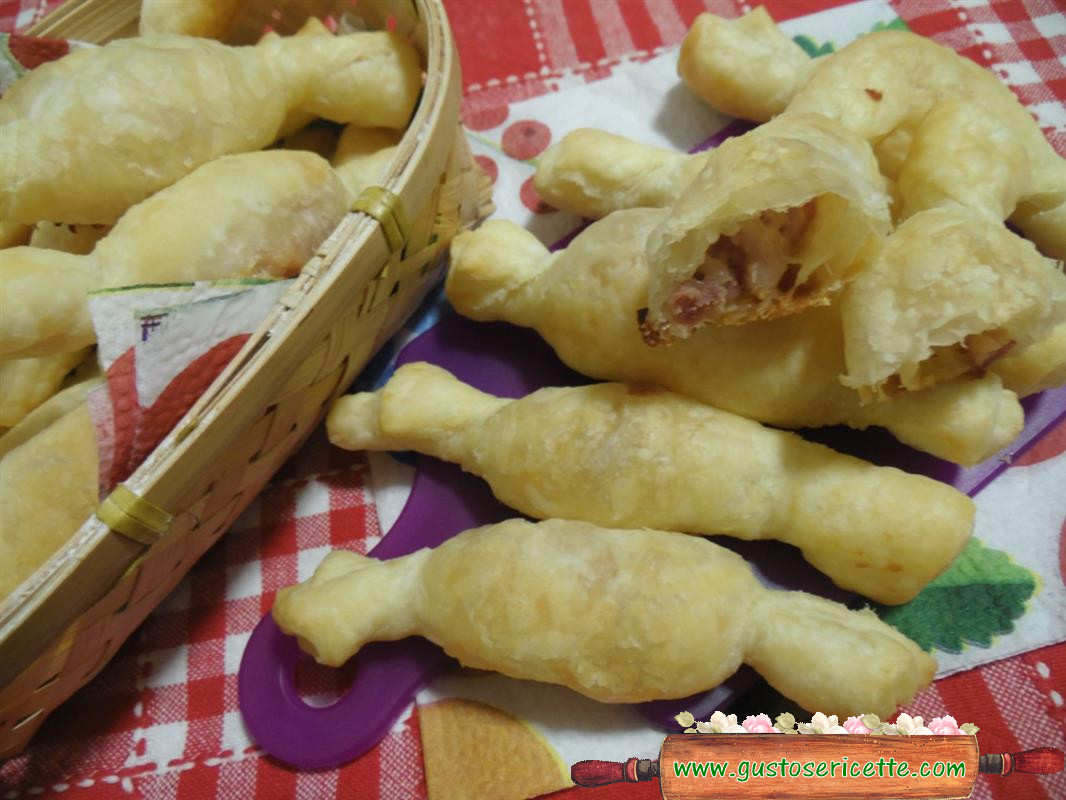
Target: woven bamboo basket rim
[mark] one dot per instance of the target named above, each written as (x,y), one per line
(187,450)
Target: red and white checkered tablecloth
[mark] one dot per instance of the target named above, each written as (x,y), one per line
(159,721)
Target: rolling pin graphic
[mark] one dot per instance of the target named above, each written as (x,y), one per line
(799,767)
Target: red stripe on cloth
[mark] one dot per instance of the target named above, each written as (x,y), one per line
(642,29)
(1009,10)
(969,699)
(919,19)
(667,21)
(690,9)
(787,9)
(583,31)
(273,779)
(555,34)
(362,777)
(480,53)
(198,783)
(611,26)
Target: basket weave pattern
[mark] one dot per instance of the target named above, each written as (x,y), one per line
(61,627)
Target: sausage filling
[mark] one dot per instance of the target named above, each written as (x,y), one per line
(757,264)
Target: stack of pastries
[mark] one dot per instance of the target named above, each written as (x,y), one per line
(846,262)
(145,161)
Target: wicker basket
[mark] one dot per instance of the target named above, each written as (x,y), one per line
(66,622)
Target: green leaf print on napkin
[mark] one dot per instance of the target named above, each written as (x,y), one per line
(976,599)
(826,48)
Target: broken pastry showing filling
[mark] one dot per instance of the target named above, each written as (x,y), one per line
(778,220)
(757,265)
(952,292)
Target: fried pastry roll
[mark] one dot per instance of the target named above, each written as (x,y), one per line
(258,213)
(164,105)
(363,156)
(951,291)
(778,220)
(585,301)
(25,383)
(743,67)
(626,456)
(48,488)
(54,408)
(619,616)
(592,173)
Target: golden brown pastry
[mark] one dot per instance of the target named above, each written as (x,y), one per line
(55,407)
(627,456)
(1039,366)
(363,156)
(252,214)
(207,18)
(585,301)
(25,383)
(951,291)
(744,67)
(48,488)
(159,107)
(619,616)
(592,173)
(778,220)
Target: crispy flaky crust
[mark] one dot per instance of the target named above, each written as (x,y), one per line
(628,456)
(586,300)
(258,213)
(805,163)
(159,107)
(949,129)
(619,616)
(944,278)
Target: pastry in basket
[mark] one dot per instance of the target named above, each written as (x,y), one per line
(983,148)
(77,239)
(363,156)
(58,405)
(25,383)
(777,221)
(628,456)
(138,114)
(48,488)
(260,214)
(617,615)
(209,18)
(951,291)
(585,301)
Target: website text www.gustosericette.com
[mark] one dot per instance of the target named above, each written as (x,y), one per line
(881,768)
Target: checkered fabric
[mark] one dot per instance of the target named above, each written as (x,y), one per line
(161,721)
